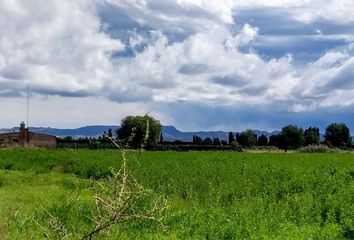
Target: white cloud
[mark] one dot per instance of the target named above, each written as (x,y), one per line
(247,34)
(55,47)
(63,48)
(305,10)
(68,112)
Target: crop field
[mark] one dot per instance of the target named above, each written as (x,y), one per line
(210,195)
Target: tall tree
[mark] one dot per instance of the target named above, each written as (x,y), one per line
(207,141)
(139,130)
(231,137)
(161,138)
(262,140)
(291,137)
(110,134)
(312,136)
(216,141)
(237,137)
(274,140)
(247,138)
(338,135)
(197,139)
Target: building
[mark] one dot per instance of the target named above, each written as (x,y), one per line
(25,138)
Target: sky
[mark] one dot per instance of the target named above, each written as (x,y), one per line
(195,64)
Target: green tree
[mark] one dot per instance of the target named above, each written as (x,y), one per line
(231,137)
(139,130)
(312,136)
(216,141)
(161,138)
(274,140)
(237,137)
(235,146)
(262,140)
(338,135)
(247,138)
(208,141)
(197,139)
(291,137)
(110,134)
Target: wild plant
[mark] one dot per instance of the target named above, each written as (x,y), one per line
(118,198)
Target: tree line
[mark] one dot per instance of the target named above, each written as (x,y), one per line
(145,131)
(290,137)
(294,137)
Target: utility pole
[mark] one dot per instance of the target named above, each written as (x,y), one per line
(27,106)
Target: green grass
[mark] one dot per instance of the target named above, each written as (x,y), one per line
(212,195)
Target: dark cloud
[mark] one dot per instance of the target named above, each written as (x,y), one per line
(280,34)
(193,69)
(230,80)
(13,72)
(195,116)
(62,93)
(254,90)
(303,48)
(343,79)
(280,21)
(10,93)
(116,22)
(128,95)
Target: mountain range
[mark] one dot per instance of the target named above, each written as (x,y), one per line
(170,133)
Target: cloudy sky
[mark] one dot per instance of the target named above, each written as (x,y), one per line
(195,64)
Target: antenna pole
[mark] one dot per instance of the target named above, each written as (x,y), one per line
(27,106)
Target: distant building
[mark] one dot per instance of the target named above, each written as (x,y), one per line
(25,138)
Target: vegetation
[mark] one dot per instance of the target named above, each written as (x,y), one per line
(235,146)
(221,195)
(318,149)
(312,136)
(291,137)
(338,135)
(247,138)
(262,140)
(133,129)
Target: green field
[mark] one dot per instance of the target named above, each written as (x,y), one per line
(211,195)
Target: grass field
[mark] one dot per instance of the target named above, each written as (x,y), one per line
(211,195)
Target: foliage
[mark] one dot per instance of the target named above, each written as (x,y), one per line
(197,139)
(262,140)
(94,144)
(317,149)
(274,140)
(291,137)
(338,135)
(247,138)
(215,195)
(207,141)
(236,146)
(117,199)
(216,141)
(161,138)
(231,137)
(134,128)
(312,136)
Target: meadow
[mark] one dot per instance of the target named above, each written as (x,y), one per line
(211,195)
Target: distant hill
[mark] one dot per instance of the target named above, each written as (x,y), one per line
(170,133)
(88,131)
